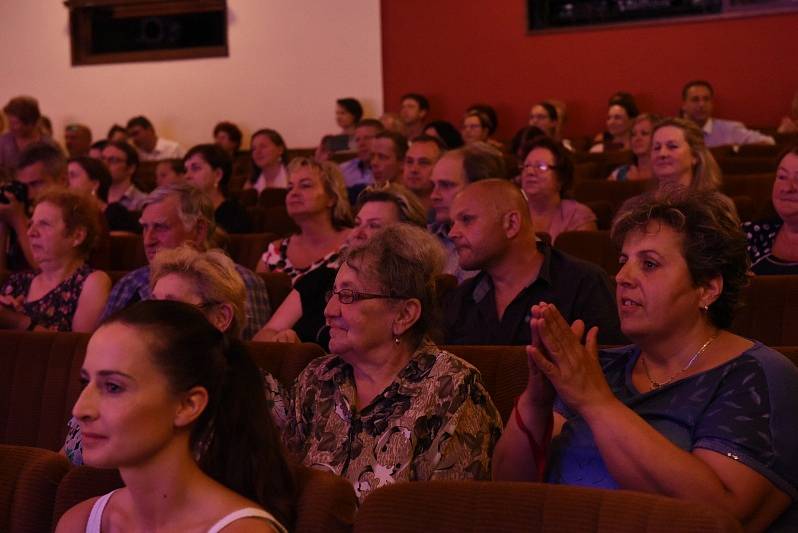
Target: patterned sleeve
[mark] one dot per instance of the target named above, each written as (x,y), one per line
(257,305)
(124,292)
(740,422)
(463,433)
(299,411)
(16,285)
(73,447)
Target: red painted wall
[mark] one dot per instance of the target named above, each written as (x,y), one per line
(458,52)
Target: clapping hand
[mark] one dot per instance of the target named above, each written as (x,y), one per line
(571,367)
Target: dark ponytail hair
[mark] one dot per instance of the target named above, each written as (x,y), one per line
(234,439)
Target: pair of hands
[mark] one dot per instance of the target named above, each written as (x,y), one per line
(11,302)
(558,361)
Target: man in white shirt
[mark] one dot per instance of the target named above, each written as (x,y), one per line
(697,105)
(148,144)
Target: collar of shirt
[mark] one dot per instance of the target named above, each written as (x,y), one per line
(485,285)
(707,129)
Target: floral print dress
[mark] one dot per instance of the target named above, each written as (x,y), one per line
(55,309)
(435,421)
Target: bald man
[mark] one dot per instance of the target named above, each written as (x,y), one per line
(493,233)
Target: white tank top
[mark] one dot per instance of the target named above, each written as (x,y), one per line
(96,516)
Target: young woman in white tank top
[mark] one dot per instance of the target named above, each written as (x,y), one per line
(179,409)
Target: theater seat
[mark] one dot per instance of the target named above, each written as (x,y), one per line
(615,193)
(791,352)
(39,383)
(144,178)
(747,165)
(278,285)
(769,311)
(593,246)
(471,506)
(284,361)
(272,197)
(271,220)
(29,478)
(246,249)
(127,251)
(325,502)
(504,372)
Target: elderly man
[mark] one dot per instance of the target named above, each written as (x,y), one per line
(173,215)
(492,232)
(697,105)
(451,174)
(150,146)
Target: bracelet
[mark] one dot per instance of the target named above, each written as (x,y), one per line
(538,451)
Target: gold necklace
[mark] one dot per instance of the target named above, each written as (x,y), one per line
(693,358)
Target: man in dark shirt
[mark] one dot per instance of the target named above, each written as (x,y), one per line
(492,232)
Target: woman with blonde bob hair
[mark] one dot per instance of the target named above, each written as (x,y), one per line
(318,203)
(208,280)
(679,156)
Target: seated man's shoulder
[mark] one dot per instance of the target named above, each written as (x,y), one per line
(249,277)
(140,276)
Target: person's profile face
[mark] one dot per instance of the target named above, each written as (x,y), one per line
(448,178)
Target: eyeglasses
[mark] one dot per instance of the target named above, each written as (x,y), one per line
(348,296)
(543,167)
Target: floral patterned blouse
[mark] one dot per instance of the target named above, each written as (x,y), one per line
(55,309)
(276,260)
(435,421)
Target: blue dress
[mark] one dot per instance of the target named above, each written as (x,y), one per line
(744,409)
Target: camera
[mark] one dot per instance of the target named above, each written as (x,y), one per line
(17,189)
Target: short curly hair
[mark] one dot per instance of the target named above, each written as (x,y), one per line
(713,241)
(563,163)
(78,211)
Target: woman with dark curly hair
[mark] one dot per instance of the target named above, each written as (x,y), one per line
(690,410)
(388,405)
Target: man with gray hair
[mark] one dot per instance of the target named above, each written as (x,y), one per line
(173,215)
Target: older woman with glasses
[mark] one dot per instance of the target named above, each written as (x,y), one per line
(546,174)
(387,405)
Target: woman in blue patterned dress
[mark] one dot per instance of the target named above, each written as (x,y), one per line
(690,410)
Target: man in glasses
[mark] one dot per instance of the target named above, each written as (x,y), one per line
(122,162)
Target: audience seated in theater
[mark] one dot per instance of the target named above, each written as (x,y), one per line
(453,171)
(77,139)
(149,145)
(228,137)
(640,144)
(773,244)
(64,293)
(40,166)
(391,122)
(117,133)
(621,110)
(521,138)
(690,410)
(269,159)
(96,149)
(680,157)
(208,168)
(387,404)
(22,113)
(317,203)
(413,111)
(420,159)
(494,234)
(169,400)
(357,171)
(476,127)
(789,123)
(171,216)
(387,157)
(697,105)
(300,318)
(122,161)
(169,171)
(544,115)
(547,173)
(446,132)
(90,176)
(210,282)
(348,113)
